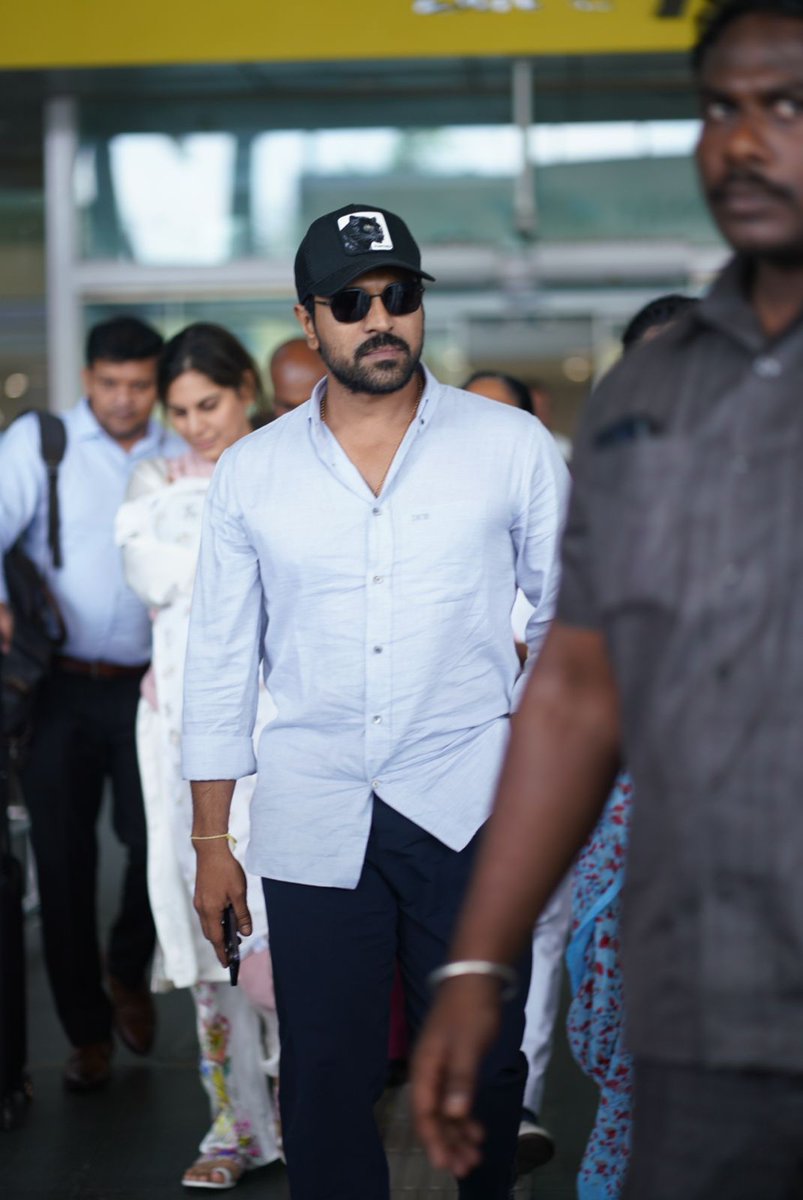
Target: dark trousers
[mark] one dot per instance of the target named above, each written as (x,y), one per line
(334,953)
(84,734)
(703,1134)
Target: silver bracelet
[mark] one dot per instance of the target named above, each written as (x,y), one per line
(470,966)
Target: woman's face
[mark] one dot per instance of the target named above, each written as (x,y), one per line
(209,417)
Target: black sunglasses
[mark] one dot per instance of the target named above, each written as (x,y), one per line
(353,304)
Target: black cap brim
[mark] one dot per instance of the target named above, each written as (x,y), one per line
(352,270)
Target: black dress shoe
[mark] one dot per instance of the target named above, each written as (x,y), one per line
(134,1015)
(88,1067)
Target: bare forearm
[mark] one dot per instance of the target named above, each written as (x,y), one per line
(211,804)
(561,762)
(219,878)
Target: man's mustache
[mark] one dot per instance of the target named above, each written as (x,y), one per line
(379,341)
(753,179)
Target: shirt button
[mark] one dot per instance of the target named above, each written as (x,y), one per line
(376,511)
(767,367)
(379,578)
(377,649)
(377,720)
(374,784)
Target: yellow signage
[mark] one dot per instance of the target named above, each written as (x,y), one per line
(95,33)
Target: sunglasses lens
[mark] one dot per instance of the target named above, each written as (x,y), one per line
(400,299)
(350,305)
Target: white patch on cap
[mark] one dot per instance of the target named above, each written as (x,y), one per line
(364,231)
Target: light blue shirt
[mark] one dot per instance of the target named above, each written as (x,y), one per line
(383,625)
(104,619)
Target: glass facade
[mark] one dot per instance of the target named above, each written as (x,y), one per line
(23,381)
(191,188)
(206,198)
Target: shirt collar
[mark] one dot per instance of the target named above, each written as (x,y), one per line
(86,427)
(85,424)
(426,404)
(727,307)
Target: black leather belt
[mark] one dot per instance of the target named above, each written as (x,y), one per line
(97,670)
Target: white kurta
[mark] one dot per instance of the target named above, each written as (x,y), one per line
(158,528)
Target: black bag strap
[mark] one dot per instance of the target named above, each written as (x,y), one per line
(53,440)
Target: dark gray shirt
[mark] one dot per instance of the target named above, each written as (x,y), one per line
(684,547)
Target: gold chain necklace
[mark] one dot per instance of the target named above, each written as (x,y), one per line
(376,490)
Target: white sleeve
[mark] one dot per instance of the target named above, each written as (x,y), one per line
(221,676)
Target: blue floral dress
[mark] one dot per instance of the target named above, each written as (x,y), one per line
(595,1018)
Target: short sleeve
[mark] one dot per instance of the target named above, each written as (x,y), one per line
(576,601)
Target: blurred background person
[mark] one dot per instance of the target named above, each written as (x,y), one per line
(536,1145)
(209,385)
(83,724)
(294,369)
(506,389)
(655,317)
(532,398)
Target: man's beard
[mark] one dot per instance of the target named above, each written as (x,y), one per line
(377,378)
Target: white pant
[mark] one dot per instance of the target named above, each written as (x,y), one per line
(549,943)
(233,1034)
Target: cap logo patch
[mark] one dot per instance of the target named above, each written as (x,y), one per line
(361,232)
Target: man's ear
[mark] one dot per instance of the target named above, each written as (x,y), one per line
(248,387)
(308,325)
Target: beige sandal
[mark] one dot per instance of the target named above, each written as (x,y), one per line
(229,1169)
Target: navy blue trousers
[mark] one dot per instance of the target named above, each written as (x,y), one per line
(84,735)
(334,951)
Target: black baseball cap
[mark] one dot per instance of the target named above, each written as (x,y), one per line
(341,245)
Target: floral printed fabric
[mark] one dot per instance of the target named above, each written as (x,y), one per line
(231,1036)
(595,1019)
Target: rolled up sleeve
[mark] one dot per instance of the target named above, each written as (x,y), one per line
(221,676)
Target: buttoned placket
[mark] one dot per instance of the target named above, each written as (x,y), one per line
(378,630)
(378,716)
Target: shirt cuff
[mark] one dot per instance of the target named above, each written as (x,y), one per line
(208,757)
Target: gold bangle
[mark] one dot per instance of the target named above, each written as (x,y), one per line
(213,837)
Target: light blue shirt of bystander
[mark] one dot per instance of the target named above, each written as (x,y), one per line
(382,625)
(104,619)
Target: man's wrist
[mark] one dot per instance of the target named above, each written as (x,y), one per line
(503,974)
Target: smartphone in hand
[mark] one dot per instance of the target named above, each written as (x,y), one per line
(231,943)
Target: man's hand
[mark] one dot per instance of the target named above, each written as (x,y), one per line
(461,1027)
(219,880)
(6,628)
(561,760)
